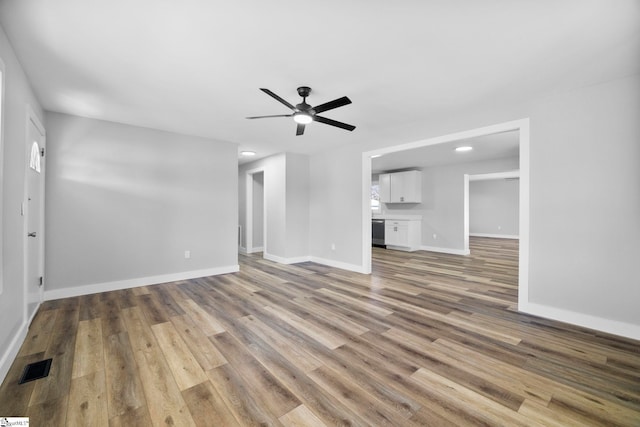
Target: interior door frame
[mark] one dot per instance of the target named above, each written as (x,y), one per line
(522,126)
(249,210)
(480,177)
(32,118)
(2,102)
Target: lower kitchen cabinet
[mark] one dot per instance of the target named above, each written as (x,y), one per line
(402,234)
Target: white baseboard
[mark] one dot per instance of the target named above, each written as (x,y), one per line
(283,260)
(495,236)
(338,264)
(614,327)
(445,250)
(242,249)
(402,248)
(256,249)
(10,352)
(317,260)
(134,283)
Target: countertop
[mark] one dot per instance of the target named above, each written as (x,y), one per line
(397,217)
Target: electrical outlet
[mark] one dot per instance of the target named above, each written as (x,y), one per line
(187,254)
(333,246)
(499,227)
(435,236)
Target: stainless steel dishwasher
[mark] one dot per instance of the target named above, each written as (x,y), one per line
(377,232)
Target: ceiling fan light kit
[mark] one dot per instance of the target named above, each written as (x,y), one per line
(304,113)
(302,118)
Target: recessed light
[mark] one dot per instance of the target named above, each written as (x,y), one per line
(247,153)
(465,148)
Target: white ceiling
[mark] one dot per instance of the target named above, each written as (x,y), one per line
(195,66)
(496,146)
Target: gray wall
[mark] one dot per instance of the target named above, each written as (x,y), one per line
(286,186)
(126,202)
(584,196)
(442,206)
(585,201)
(17,95)
(274,181)
(297,205)
(258,209)
(494,207)
(335,205)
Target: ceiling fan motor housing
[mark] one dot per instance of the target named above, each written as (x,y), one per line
(305,108)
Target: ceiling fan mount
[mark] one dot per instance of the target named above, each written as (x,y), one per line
(304,113)
(304,91)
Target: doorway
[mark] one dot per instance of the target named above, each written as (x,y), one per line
(522,127)
(481,227)
(256,235)
(2,74)
(33,211)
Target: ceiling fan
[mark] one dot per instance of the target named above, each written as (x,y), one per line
(304,113)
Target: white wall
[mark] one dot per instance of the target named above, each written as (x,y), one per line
(124,203)
(17,95)
(493,207)
(584,196)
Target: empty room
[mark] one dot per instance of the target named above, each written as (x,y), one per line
(334,213)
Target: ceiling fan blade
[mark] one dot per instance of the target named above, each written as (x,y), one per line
(332,104)
(333,123)
(265,117)
(300,129)
(276,97)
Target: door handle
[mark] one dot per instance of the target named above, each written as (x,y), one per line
(32,234)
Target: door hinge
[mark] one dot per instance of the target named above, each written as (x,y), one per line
(42,152)
(41,281)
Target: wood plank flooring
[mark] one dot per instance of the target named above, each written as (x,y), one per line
(427,339)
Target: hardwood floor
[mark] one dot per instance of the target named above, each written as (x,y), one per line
(427,339)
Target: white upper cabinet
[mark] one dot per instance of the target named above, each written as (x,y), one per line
(384,187)
(401,187)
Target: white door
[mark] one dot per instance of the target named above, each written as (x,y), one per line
(34,220)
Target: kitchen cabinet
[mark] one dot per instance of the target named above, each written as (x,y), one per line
(402,234)
(401,187)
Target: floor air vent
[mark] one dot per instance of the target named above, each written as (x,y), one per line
(35,371)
